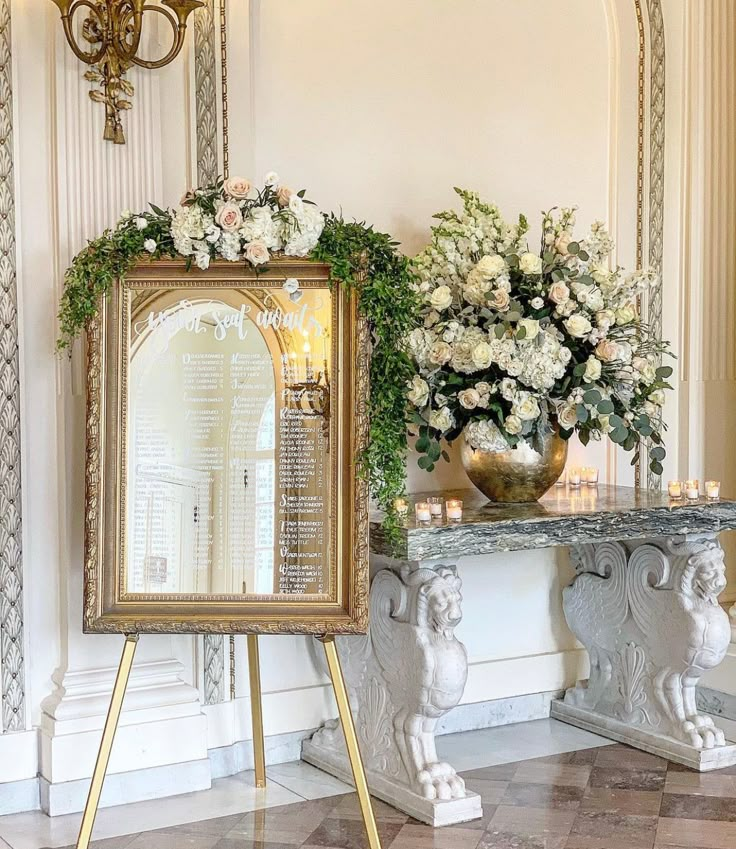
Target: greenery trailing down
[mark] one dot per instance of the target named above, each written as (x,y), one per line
(366,262)
(370,264)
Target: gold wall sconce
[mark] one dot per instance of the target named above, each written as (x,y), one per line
(112,29)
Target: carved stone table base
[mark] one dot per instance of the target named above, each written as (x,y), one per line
(403,677)
(647,612)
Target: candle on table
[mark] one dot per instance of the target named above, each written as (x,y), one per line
(674,488)
(454,508)
(713,489)
(692,489)
(435,506)
(573,477)
(423,514)
(400,506)
(591,476)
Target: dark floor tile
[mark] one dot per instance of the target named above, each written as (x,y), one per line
(348,808)
(581,757)
(624,757)
(693,807)
(509,840)
(633,802)
(603,830)
(543,796)
(627,779)
(241,843)
(340,833)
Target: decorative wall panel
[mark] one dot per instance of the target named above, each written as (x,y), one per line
(12,673)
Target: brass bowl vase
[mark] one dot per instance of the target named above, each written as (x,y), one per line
(517,475)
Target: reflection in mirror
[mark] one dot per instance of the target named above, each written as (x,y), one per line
(228,443)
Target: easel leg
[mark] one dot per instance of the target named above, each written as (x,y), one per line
(351,740)
(108,737)
(256,709)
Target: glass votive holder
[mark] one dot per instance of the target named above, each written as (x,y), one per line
(573,477)
(562,479)
(422,513)
(401,506)
(674,489)
(435,506)
(454,510)
(590,476)
(713,489)
(692,489)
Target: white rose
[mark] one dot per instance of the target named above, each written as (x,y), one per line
(531,326)
(271,179)
(657,397)
(491,266)
(578,325)
(607,350)
(256,253)
(441,298)
(625,314)
(482,355)
(237,187)
(441,419)
(530,263)
(150,245)
(141,223)
(567,417)
(559,293)
(525,407)
(563,242)
(537,303)
(499,300)
(592,369)
(469,398)
(440,353)
(229,217)
(418,392)
(513,425)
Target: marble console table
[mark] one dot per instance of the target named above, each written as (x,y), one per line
(643,603)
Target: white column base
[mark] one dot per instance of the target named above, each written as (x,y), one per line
(160,747)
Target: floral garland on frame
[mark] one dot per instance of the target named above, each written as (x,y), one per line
(234,221)
(512,343)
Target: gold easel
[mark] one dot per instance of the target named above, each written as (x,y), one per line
(343,708)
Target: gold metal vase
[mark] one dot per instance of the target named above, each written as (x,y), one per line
(517,475)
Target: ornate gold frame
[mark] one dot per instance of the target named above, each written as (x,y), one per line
(106,610)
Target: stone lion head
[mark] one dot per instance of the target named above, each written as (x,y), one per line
(439,602)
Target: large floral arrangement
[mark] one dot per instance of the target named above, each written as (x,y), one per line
(514,343)
(235,221)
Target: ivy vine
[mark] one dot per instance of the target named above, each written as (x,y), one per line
(366,262)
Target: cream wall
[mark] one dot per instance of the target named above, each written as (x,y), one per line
(378,108)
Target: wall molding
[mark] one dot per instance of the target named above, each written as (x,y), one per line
(12,646)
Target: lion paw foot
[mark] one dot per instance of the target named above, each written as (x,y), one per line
(440,781)
(701,732)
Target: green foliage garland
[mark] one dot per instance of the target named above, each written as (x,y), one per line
(366,262)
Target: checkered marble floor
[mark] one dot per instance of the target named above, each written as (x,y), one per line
(602,798)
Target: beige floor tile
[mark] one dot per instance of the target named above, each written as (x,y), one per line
(562,774)
(696,834)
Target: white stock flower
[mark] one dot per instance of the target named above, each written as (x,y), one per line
(657,397)
(150,245)
(530,263)
(141,223)
(418,393)
(577,325)
(562,242)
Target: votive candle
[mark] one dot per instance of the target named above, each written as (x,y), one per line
(590,475)
(692,489)
(400,506)
(454,509)
(435,506)
(713,489)
(562,479)
(674,488)
(422,512)
(573,477)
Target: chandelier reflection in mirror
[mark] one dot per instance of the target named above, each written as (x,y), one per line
(112,30)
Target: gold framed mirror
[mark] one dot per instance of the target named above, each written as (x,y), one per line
(225,412)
